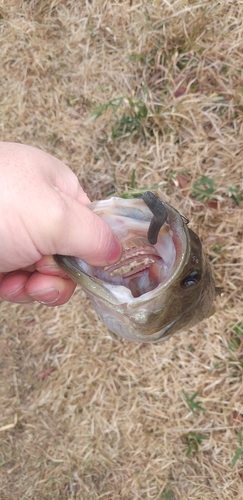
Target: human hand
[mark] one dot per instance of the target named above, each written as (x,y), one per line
(43,212)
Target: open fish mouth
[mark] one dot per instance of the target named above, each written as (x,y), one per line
(154,241)
(150,248)
(141,263)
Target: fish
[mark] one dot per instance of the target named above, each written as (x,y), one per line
(163,283)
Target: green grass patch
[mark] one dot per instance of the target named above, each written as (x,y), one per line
(236,194)
(192,403)
(129,116)
(168,493)
(132,191)
(193,442)
(204,188)
(239,451)
(236,337)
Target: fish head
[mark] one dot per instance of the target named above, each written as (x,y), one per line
(163,282)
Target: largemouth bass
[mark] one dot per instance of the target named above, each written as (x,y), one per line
(163,282)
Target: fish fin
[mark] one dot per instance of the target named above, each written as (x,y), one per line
(114,336)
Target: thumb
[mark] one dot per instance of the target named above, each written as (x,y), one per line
(85,235)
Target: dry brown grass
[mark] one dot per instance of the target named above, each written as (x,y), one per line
(111,421)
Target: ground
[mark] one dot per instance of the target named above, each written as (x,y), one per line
(131,95)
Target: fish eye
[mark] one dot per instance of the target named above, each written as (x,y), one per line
(191,280)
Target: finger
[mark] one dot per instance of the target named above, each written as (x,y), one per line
(12,287)
(49,290)
(68,184)
(23,287)
(79,232)
(47,265)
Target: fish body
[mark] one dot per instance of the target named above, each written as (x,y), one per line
(162,284)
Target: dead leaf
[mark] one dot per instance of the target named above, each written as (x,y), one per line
(45,373)
(179,92)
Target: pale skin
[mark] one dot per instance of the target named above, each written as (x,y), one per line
(43,212)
